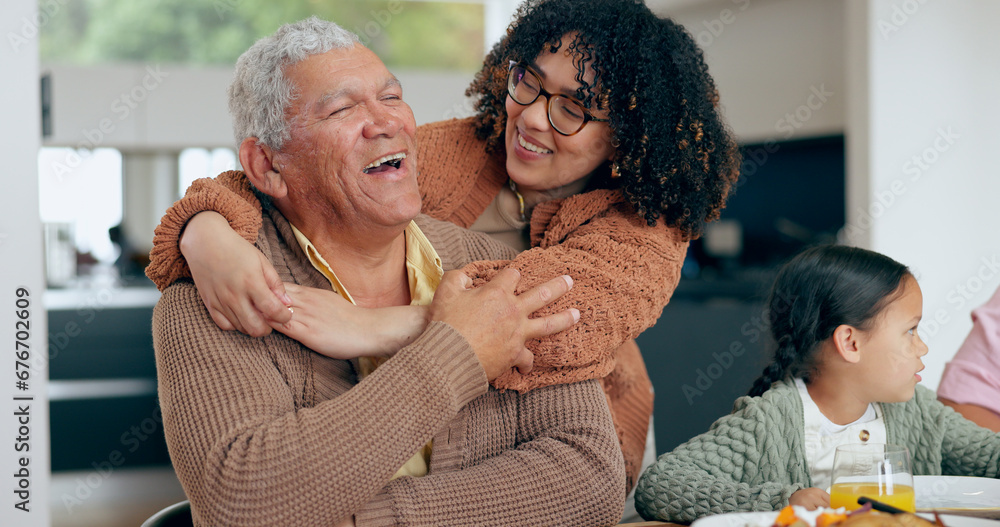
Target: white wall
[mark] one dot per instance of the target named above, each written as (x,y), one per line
(926,151)
(21,254)
(140,106)
(155,107)
(768,58)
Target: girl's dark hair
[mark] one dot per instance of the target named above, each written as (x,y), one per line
(822,288)
(674,154)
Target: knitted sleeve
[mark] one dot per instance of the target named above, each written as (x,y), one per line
(568,471)
(229,194)
(966,448)
(739,465)
(623,271)
(457,179)
(248,449)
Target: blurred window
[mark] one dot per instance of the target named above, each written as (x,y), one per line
(82,188)
(413,34)
(197,163)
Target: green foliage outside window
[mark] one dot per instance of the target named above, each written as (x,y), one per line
(435,35)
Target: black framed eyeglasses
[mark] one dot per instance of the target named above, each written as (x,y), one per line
(566,115)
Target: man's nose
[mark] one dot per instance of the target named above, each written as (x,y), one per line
(383,121)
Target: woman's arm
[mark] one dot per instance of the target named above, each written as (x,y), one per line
(624,273)
(230,194)
(983,417)
(242,291)
(238,285)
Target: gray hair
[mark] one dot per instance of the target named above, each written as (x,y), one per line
(260,92)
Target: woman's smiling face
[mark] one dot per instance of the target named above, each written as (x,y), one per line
(540,158)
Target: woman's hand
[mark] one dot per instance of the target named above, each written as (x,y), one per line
(328,324)
(810,498)
(238,285)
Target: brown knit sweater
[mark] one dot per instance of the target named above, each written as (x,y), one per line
(263,431)
(624,271)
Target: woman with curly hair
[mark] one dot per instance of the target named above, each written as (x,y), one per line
(597,149)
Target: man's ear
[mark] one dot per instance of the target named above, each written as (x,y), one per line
(258,164)
(847,341)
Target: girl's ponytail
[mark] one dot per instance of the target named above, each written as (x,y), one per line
(784,357)
(820,289)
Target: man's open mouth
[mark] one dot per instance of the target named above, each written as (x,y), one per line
(384,163)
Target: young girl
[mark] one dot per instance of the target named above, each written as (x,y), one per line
(845,371)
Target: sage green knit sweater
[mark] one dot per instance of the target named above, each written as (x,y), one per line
(754,458)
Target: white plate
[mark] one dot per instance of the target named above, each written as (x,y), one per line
(958,495)
(737,519)
(765,519)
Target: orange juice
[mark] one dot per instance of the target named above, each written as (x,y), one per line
(846,495)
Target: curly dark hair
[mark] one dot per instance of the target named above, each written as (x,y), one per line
(675,156)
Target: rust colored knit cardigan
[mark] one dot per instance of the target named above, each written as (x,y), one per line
(624,271)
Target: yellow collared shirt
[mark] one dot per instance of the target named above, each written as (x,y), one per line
(423,272)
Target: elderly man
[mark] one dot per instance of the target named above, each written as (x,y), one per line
(265,431)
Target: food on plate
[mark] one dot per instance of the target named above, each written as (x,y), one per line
(863,517)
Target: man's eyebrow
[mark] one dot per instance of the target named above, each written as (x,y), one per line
(329,96)
(391,82)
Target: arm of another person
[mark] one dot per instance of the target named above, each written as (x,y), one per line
(971,380)
(567,471)
(624,273)
(242,442)
(323,320)
(737,466)
(230,194)
(983,417)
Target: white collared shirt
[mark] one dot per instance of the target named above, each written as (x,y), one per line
(823,436)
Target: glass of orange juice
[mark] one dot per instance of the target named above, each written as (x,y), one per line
(878,471)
